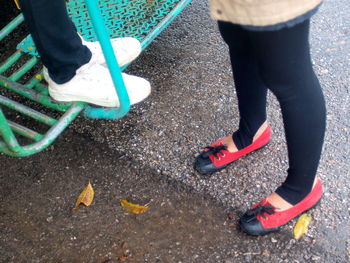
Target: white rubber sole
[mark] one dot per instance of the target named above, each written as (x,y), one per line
(73,98)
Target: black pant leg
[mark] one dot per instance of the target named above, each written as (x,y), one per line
(286,69)
(55,37)
(250,89)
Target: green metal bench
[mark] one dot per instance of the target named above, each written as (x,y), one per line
(95,20)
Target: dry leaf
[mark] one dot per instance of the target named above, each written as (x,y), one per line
(17,4)
(123,258)
(122,252)
(301,225)
(133,208)
(123,245)
(86,197)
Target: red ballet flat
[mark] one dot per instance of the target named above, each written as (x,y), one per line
(263,218)
(216,156)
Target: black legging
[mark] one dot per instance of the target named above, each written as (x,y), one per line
(279,61)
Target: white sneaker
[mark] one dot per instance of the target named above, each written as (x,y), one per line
(126,49)
(93,84)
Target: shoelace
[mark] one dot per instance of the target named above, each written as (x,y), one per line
(261,210)
(213,150)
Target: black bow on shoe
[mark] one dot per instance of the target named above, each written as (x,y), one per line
(261,210)
(213,150)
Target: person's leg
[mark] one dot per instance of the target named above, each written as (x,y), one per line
(286,69)
(250,89)
(253,131)
(73,72)
(55,38)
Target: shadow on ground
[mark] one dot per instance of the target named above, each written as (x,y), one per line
(38,225)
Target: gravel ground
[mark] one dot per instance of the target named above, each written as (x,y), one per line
(193,103)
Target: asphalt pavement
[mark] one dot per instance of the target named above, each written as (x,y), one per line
(193,103)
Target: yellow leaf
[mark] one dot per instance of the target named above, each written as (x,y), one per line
(301,225)
(133,208)
(86,197)
(17,4)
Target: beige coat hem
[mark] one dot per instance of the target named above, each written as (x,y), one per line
(260,12)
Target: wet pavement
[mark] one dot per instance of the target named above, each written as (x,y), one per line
(37,223)
(193,103)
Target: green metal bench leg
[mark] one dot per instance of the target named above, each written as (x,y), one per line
(50,136)
(103,37)
(8,135)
